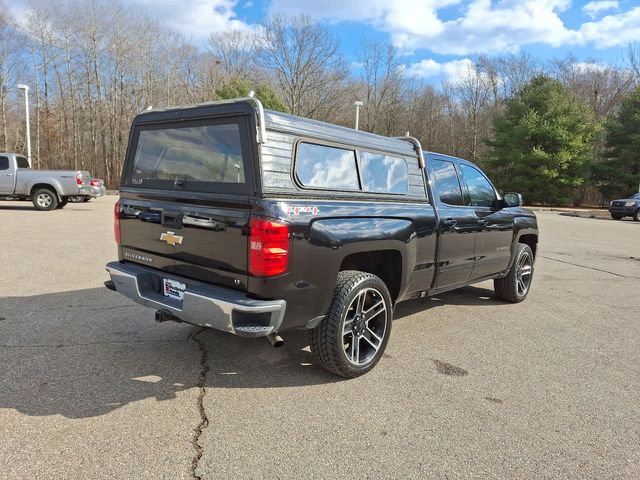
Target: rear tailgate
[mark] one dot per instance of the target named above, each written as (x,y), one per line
(184,205)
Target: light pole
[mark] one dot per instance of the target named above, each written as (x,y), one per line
(358,104)
(25,89)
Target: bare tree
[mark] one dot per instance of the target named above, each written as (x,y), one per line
(381,84)
(11,71)
(235,52)
(633,59)
(602,87)
(471,100)
(305,61)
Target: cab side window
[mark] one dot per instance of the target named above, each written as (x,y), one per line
(445,182)
(481,192)
(22,162)
(4,163)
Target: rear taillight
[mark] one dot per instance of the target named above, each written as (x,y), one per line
(268,247)
(116,222)
(95,183)
(79,178)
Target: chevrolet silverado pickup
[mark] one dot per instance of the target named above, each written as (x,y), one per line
(254,222)
(47,189)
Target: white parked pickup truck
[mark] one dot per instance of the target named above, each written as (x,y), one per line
(47,189)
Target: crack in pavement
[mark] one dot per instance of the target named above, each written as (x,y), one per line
(589,268)
(63,345)
(204,420)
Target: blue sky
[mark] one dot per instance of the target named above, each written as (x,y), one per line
(436,38)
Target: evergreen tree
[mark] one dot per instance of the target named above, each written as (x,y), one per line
(237,87)
(618,174)
(542,143)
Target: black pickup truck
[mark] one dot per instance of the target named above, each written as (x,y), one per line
(254,222)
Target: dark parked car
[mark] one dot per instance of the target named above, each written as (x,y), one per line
(256,222)
(626,207)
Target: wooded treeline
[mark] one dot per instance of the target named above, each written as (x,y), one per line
(93,64)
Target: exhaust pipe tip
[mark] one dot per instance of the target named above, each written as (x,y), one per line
(162,316)
(275,340)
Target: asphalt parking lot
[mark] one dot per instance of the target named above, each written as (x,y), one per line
(92,387)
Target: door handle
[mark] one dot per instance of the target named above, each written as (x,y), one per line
(482,222)
(7,174)
(449,222)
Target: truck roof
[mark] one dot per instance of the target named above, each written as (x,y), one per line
(306,127)
(293,124)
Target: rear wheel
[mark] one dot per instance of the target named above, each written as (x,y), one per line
(616,217)
(636,215)
(515,286)
(86,199)
(352,338)
(45,199)
(76,198)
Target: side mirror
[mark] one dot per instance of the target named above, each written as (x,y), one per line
(512,199)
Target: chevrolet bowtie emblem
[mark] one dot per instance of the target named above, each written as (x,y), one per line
(171,238)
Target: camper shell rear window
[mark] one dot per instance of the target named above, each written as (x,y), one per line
(200,156)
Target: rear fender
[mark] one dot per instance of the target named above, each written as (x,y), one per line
(52,184)
(332,240)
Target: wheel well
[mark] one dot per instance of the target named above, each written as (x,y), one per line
(38,186)
(386,264)
(531,240)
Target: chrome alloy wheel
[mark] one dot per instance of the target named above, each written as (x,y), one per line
(364,326)
(44,200)
(523,273)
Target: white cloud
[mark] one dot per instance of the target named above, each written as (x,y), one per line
(429,68)
(398,17)
(612,30)
(18,11)
(586,67)
(481,26)
(592,9)
(505,26)
(196,19)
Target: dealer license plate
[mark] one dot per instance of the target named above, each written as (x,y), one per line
(173,289)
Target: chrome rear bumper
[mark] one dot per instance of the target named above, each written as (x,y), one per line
(203,304)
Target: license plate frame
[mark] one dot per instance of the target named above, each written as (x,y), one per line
(173,289)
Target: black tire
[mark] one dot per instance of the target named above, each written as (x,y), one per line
(616,217)
(334,349)
(515,286)
(45,199)
(62,203)
(636,215)
(86,199)
(76,198)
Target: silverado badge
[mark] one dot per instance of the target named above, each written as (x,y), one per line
(171,238)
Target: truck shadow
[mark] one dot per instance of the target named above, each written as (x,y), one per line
(86,353)
(475,296)
(5,206)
